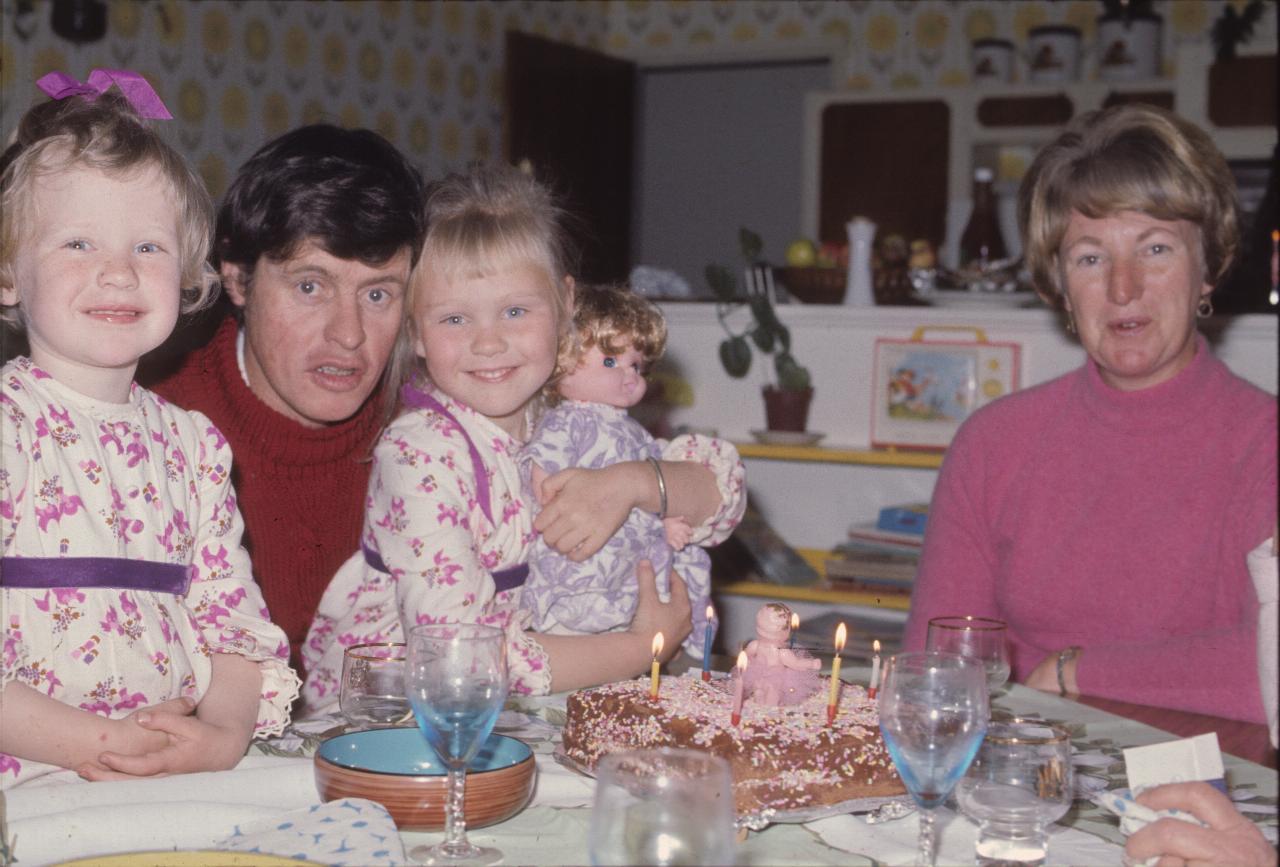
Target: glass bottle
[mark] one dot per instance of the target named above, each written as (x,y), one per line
(981,241)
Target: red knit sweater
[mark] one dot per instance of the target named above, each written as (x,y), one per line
(301,490)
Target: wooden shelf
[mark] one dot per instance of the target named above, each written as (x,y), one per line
(841,455)
(816,558)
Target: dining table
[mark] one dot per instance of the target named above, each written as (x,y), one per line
(269,803)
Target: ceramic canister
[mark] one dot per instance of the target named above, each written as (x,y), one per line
(1053,53)
(1128,49)
(992,61)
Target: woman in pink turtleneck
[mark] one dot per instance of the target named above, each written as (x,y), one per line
(1107,514)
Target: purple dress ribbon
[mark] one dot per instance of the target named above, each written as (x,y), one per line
(503,579)
(53,573)
(136,89)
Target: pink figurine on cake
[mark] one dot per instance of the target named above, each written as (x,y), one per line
(776,674)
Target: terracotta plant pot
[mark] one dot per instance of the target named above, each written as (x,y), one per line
(786,410)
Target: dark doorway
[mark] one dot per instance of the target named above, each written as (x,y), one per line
(570,113)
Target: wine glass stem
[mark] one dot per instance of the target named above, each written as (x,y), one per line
(455,820)
(926,853)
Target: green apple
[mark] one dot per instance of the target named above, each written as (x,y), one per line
(802,253)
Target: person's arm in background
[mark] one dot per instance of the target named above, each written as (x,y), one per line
(704,481)
(1230,839)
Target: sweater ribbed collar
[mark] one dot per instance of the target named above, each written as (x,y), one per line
(1169,404)
(249,422)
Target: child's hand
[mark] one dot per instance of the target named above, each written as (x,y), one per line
(191,744)
(673,619)
(678,532)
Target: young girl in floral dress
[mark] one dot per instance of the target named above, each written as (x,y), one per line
(447,528)
(136,642)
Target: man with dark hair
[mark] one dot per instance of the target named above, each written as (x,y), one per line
(314,243)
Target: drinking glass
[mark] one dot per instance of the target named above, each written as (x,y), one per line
(662,806)
(456,681)
(372,691)
(983,638)
(933,712)
(1020,782)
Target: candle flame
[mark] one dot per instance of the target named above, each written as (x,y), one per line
(711,613)
(875,646)
(1275,234)
(842,633)
(795,620)
(742,660)
(657,644)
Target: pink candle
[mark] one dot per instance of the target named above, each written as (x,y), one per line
(736,716)
(874,685)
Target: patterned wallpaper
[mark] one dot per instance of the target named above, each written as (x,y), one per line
(428,75)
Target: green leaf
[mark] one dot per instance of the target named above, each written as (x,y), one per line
(722,283)
(752,245)
(735,355)
(791,376)
(763,339)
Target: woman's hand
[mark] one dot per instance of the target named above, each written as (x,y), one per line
(1045,675)
(583,508)
(1229,839)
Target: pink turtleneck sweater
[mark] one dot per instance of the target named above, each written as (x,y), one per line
(1117,521)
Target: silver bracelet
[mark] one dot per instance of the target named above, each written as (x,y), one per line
(1064,656)
(662,488)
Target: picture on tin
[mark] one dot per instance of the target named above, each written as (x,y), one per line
(923,390)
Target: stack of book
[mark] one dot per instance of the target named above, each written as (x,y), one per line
(881,556)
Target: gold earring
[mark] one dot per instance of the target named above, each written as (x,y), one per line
(1205,308)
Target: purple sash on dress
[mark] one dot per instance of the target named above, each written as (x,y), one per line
(52,573)
(504,579)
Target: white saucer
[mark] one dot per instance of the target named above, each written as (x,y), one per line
(960,299)
(787,437)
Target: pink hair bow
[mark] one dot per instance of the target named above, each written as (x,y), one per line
(135,88)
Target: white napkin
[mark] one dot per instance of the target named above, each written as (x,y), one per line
(350,832)
(895,842)
(558,786)
(66,820)
(1262,566)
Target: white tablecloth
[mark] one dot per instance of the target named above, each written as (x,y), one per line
(67,818)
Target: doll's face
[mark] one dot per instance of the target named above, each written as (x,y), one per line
(616,380)
(773,625)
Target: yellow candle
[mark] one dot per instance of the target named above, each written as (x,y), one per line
(841,634)
(653,671)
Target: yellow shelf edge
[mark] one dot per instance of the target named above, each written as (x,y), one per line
(841,455)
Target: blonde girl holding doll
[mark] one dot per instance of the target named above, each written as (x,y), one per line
(136,642)
(448,530)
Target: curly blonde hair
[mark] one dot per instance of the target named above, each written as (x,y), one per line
(613,318)
(107,135)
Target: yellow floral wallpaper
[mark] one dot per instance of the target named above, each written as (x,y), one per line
(429,75)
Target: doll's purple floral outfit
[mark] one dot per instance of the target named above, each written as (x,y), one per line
(600,593)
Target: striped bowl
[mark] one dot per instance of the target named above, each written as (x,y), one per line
(396,768)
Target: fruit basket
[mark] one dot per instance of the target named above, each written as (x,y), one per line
(814,285)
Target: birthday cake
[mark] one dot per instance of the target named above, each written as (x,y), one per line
(784,757)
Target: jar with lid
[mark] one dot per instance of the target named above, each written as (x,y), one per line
(981,242)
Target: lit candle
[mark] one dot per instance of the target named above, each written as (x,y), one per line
(874,685)
(834,701)
(736,716)
(653,672)
(706,644)
(795,624)
(1275,267)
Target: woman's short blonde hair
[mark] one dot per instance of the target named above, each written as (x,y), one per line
(479,223)
(107,135)
(1130,157)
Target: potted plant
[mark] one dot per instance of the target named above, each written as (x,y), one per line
(787,398)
